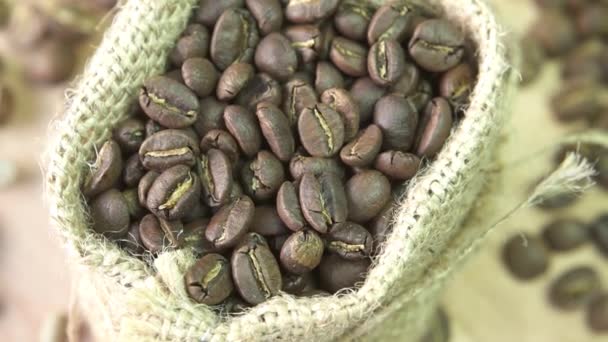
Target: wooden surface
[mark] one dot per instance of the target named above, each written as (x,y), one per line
(484,302)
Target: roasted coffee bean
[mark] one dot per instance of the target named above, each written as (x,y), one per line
(266,221)
(209,280)
(407,84)
(152,236)
(350,241)
(342,102)
(336,273)
(366,93)
(299,165)
(352,19)
(234,38)
(298,95)
(132,241)
(574,287)
(380,226)
(437,45)
(110,214)
(168,148)
(560,38)
(398,119)
(312,42)
(193,43)
(525,256)
(377,190)
(144,186)
(321,130)
(276,129)
(263,176)
(105,173)
(200,76)
(244,127)
(151,128)
(129,134)
(223,141)
(168,102)
(174,193)
(288,207)
(564,235)
(364,148)
(302,12)
(210,10)
(397,165)
(434,127)
(323,200)
(349,56)
(50,62)
(422,95)
(233,80)
(210,117)
(256,272)
(297,283)
(439,329)
(262,88)
(327,76)
(578,100)
(456,85)
(391,21)
(275,56)
(386,62)
(302,252)
(215,172)
(230,223)
(597,313)
(557,201)
(599,233)
(267,13)
(136,210)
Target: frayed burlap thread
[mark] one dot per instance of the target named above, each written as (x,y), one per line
(130,300)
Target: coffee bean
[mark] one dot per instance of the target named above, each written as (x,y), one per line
(456,85)
(105,173)
(437,45)
(233,80)
(364,148)
(323,200)
(342,102)
(174,193)
(266,221)
(525,257)
(377,190)
(386,62)
(422,95)
(565,234)
(349,56)
(336,273)
(210,117)
(312,42)
(302,252)
(366,93)
(210,10)
(277,131)
(200,76)
(560,38)
(262,88)
(194,237)
(397,165)
(168,148)
(321,130)
(193,43)
(398,119)
(129,134)
(297,283)
(298,95)
(391,21)
(168,102)
(267,13)
(349,240)
(352,19)
(574,287)
(223,141)
(299,165)
(110,214)
(234,38)
(301,12)
(599,233)
(135,209)
(144,186)
(209,280)
(230,223)
(327,76)
(288,207)
(434,127)
(215,172)
(263,176)
(275,56)
(132,241)
(243,126)
(152,236)
(578,100)
(256,272)
(597,313)
(380,226)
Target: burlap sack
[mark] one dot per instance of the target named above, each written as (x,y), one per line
(128,299)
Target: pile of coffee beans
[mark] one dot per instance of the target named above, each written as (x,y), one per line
(274,147)
(527,257)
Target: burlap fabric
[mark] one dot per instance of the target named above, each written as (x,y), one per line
(128,299)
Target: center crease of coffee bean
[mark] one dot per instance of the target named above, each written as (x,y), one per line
(339,245)
(179,192)
(382,59)
(346,52)
(209,277)
(310,43)
(245,43)
(259,276)
(163,103)
(359,10)
(207,177)
(169,153)
(450,50)
(325,128)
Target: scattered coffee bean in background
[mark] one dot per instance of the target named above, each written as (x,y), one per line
(574,287)
(525,256)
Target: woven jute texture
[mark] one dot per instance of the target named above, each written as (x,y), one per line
(128,299)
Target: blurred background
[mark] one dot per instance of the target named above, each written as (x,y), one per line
(44,44)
